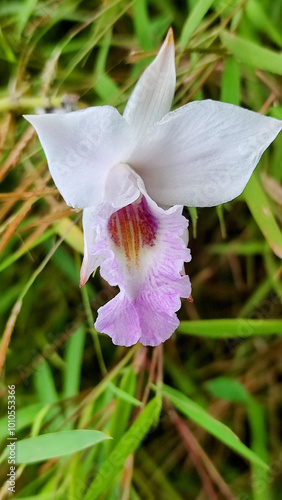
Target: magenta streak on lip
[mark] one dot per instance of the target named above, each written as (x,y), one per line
(132,228)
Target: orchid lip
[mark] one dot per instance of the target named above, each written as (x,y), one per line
(144,248)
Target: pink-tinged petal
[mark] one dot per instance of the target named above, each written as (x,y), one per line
(81,147)
(129,322)
(144,252)
(203,154)
(119,319)
(153,94)
(90,261)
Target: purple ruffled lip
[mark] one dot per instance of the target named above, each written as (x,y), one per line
(143,252)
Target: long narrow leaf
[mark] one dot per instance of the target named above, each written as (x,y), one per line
(226,328)
(74,353)
(127,445)
(252,54)
(262,213)
(213,426)
(56,444)
(194,20)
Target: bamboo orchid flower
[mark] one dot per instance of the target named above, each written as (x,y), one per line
(132,174)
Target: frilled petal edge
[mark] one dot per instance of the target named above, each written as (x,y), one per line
(144,251)
(202,154)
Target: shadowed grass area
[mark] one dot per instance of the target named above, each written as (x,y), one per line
(199,417)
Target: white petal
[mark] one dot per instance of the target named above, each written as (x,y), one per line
(80,148)
(90,262)
(152,96)
(121,186)
(203,154)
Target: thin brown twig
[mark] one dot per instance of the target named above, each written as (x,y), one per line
(151,376)
(13,158)
(5,129)
(192,449)
(36,193)
(25,208)
(50,218)
(11,228)
(159,378)
(127,477)
(270,83)
(25,185)
(269,101)
(8,331)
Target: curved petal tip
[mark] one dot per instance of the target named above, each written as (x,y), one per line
(152,96)
(169,37)
(83,280)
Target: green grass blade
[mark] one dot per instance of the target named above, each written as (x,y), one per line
(56,444)
(230,85)
(127,445)
(220,215)
(273,270)
(104,85)
(142,24)
(26,10)
(45,384)
(259,441)
(256,298)
(123,395)
(262,213)
(43,496)
(194,218)
(260,20)
(238,247)
(47,395)
(72,234)
(124,407)
(210,424)
(25,417)
(226,328)
(193,21)
(231,390)
(6,52)
(151,468)
(73,358)
(253,54)
(13,257)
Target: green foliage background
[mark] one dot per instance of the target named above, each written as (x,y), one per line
(173,412)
